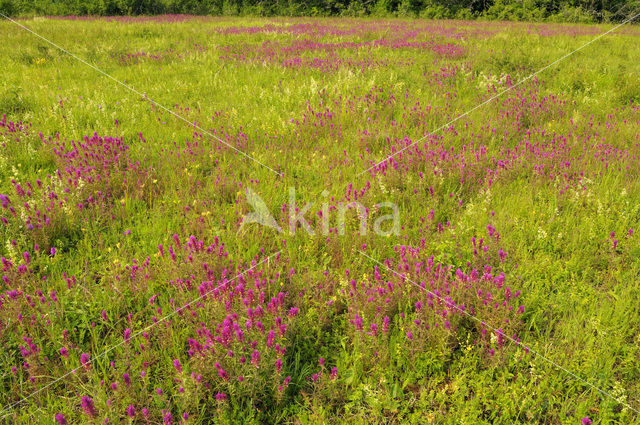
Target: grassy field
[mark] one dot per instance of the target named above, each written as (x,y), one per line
(133,292)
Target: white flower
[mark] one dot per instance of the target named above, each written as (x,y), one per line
(541,234)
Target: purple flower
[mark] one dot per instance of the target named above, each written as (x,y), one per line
(88,407)
(586,421)
(61,419)
(127,334)
(84,360)
(177,365)
(255,357)
(126,379)
(373,329)
(131,411)
(357,322)
(334,373)
(167,419)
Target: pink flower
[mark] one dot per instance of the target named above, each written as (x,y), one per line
(84,360)
(88,406)
(177,365)
(586,421)
(167,419)
(61,419)
(255,358)
(131,411)
(334,373)
(373,329)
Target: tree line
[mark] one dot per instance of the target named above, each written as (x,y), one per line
(522,10)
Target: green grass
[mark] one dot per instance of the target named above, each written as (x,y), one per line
(581,296)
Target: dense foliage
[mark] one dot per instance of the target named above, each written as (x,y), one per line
(527,10)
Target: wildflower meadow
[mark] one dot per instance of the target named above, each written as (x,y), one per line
(217,220)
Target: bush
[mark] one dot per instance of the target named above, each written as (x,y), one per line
(8,8)
(512,11)
(435,12)
(572,14)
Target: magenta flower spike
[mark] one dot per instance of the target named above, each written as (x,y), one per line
(131,411)
(88,406)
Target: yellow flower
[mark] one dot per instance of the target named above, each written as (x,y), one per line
(40,61)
